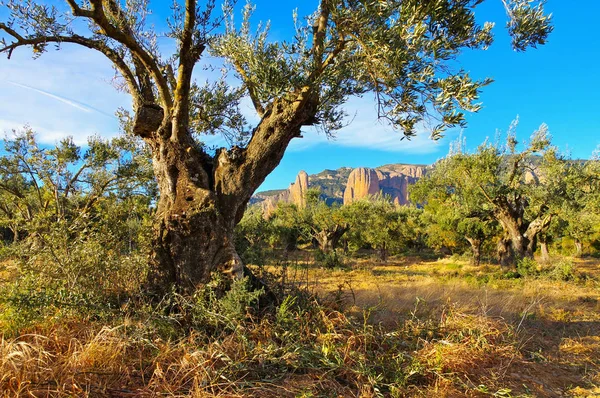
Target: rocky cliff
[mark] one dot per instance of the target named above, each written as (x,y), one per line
(298,189)
(346,185)
(296,194)
(362,182)
(390,180)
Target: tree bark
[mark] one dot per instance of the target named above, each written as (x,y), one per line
(476,249)
(506,255)
(544,251)
(193,232)
(383,253)
(329,239)
(578,248)
(15,232)
(202,198)
(521,234)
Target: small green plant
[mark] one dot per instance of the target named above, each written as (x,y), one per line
(563,270)
(527,267)
(329,260)
(211,309)
(511,275)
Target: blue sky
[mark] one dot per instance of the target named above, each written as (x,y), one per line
(69,93)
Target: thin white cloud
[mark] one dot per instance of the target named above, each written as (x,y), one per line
(63,93)
(73,103)
(66,93)
(366,131)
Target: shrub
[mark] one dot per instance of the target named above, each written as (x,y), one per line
(562,270)
(527,267)
(214,311)
(329,260)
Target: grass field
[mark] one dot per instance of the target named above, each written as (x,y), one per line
(552,327)
(404,328)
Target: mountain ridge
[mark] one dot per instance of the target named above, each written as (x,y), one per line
(346,184)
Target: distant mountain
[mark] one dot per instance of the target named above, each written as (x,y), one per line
(345,185)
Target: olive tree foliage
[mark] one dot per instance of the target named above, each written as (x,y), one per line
(79,217)
(288,226)
(253,234)
(452,218)
(398,50)
(580,215)
(520,189)
(402,51)
(379,224)
(324,224)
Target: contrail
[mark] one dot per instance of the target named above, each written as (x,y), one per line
(75,104)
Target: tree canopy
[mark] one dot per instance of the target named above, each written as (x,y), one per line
(398,50)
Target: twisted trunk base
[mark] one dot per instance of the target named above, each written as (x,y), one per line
(203,197)
(505,252)
(193,230)
(329,239)
(191,243)
(476,250)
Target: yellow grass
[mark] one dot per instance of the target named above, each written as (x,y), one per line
(454,333)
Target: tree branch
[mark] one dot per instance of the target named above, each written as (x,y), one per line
(146,91)
(251,89)
(74,179)
(170,76)
(515,165)
(99,17)
(318,71)
(12,191)
(319,34)
(77,10)
(538,225)
(97,45)
(189,55)
(240,171)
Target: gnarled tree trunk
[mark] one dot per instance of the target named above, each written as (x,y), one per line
(506,256)
(202,198)
(521,234)
(476,249)
(193,229)
(329,239)
(383,252)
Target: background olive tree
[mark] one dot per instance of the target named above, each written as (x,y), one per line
(520,189)
(80,218)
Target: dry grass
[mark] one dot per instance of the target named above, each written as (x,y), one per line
(556,324)
(405,328)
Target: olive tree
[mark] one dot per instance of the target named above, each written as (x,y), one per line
(324,224)
(453,216)
(403,51)
(288,226)
(79,216)
(580,214)
(522,190)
